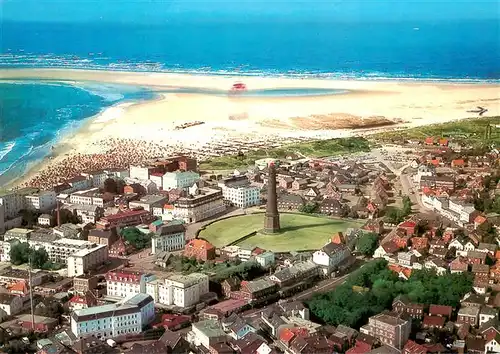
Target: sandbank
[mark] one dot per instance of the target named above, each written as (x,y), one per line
(226,118)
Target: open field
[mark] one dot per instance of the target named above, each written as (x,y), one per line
(467,131)
(318,148)
(299,232)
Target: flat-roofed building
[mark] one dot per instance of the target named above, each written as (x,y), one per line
(59,250)
(238,191)
(43,201)
(201,203)
(87,259)
(83,283)
(149,202)
(88,197)
(126,317)
(126,218)
(179,179)
(180,290)
(390,328)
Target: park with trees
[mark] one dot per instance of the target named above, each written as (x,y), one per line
(371,290)
(21,253)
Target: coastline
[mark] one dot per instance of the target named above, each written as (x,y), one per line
(227,118)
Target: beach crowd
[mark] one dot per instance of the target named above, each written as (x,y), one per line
(120,154)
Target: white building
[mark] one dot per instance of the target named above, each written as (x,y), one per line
(180,290)
(87,259)
(169,237)
(44,220)
(11,304)
(330,256)
(239,192)
(126,317)
(139,172)
(265,259)
(60,250)
(43,201)
(96,178)
(88,197)
(179,179)
(79,183)
(201,203)
(123,283)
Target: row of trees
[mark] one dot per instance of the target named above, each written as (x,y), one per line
(21,253)
(347,306)
(367,243)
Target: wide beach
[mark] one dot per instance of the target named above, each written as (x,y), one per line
(218,117)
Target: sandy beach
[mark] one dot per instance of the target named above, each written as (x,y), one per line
(228,118)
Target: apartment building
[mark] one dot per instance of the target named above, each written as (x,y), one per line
(238,191)
(86,213)
(179,290)
(88,197)
(11,204)
(169,237)
(124,283)
(96,178)
(86,259)
(43,201)
(179,179)
(126,317)
(59,250)
(18,233)
(200,204)
(390,328)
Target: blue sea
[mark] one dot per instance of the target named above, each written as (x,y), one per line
(35,114)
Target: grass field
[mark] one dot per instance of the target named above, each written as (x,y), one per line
(468,131)
(317,148)
(299,232)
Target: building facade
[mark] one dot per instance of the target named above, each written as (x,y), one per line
(238,191)
(170,237)
(87,259)
(108,321)
(179,290)
(389,328)
(179,179)
(123,283)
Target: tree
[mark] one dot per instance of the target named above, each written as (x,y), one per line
(309,208)
(40,258)
(19,253)
(406,205)
(367,243)
(110,186)
(136,238)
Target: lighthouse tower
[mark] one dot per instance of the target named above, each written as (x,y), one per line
(272,218)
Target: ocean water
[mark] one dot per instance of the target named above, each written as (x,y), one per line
(35,115)
(441,50)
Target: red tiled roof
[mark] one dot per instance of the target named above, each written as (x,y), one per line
(458,162)
(434,162)
(359,348)
(125,214)
(419,242)
(479,219)
(433,321)
(440,310)
(428,191)
(286,335)
(429,140)
(199,244)
(390,247)
(413,348)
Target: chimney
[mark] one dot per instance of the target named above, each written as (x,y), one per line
(58,214)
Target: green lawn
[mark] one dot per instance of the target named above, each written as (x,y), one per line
(315,148)
(299,232)
(468,131)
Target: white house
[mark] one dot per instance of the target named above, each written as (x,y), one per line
(487,313)
(330,256)
(458,245)
(43,201)
(44,220)
(493,345)
(11,304)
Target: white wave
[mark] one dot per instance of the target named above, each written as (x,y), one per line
(17,160)
(8,148)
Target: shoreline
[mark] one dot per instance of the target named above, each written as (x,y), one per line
(151,125)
